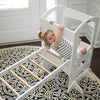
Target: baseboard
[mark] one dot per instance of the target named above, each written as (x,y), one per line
(97,44)
(19,42)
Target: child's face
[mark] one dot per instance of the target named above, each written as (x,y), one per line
(50,37)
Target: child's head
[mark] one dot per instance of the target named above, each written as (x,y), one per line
(48,37)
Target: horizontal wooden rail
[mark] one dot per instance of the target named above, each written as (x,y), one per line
(25,83)
(39,66)
(13,90)
(56,55)
(46,60)
(30,72)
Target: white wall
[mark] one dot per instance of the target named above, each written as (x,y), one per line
(80,5)
(20,25)
(94,10)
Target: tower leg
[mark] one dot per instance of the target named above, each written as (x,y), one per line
(74,85)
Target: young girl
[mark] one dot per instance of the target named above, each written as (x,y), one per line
(58,43)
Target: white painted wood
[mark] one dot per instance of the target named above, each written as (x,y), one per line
(76,71)
(90,7)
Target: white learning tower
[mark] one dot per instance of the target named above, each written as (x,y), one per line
(76,67)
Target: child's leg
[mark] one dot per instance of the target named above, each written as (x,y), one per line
(79,41)
(81,51)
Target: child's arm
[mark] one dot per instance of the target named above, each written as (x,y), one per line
(59,35)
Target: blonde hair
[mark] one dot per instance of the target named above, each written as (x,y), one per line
(42,36)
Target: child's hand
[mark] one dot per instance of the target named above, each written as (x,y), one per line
(61,27)
(51,22)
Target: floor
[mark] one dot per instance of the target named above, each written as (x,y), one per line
(95,64)
(54,88)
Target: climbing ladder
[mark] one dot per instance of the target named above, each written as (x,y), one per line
(76,67)
(48,57)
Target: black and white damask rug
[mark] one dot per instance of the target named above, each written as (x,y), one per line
(54,89)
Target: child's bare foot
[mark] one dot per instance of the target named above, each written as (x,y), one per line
(83,50)
(61,27)
(51,22)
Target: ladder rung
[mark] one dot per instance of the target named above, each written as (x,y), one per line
(64,60)
(39,66)
(13,90)
(30,72)
(46,59)
(56,55)
(25,83)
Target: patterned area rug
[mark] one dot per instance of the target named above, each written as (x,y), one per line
(54,89)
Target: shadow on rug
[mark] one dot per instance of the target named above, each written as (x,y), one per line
(54,89)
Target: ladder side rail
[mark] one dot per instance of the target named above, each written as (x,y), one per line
(77,34)
(87,57)
(79,71)
(74,52)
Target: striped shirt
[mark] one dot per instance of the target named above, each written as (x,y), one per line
(64,49)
